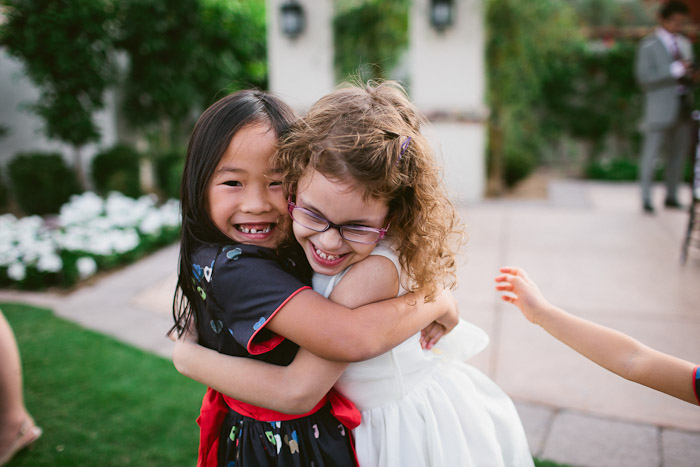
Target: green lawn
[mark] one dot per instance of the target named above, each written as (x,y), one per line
(101,402)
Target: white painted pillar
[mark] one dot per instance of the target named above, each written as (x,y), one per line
(300,69)
(448,84)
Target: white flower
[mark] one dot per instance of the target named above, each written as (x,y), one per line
(86,267)
(17,272)
(152,223)
(81,208)
(125,240)
(49,263)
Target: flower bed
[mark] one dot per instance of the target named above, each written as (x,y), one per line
(89,234)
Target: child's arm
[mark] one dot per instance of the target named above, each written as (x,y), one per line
(293,389)
(610,349)
(296,388)
(335,332)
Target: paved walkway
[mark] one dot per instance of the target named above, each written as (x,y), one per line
(592,252)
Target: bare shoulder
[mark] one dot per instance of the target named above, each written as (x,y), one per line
(372,279)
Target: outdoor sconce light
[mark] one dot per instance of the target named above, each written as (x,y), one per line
(292,19)
(441,14)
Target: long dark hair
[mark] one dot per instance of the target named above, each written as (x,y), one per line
(210,138)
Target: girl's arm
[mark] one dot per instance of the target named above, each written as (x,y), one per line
(337,333)
(296,388)
(607,347)
(293,389)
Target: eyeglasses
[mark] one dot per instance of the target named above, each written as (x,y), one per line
(351,233)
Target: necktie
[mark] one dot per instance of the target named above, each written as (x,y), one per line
(675,50)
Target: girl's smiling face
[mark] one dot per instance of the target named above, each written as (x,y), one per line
(245,197)
(342,203)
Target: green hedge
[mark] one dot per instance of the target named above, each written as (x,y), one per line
(168,169)
(4,192)
(41,182)
(117,169)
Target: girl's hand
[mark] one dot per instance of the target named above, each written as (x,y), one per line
(444,324)
(526,294)
(430,335)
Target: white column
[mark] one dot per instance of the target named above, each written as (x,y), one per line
(300,69)
(448,85)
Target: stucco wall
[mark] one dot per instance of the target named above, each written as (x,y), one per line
(301,69)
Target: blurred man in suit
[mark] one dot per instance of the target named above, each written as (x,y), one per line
(665,71)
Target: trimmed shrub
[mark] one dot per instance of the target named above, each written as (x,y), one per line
(3,193)
(117,169)
(612,169)
(168,168)
(517,166)
(41,182)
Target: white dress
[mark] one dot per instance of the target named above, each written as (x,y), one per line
(429,408)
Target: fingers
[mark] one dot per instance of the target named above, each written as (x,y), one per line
(431,335)
(436,337)
(515,271)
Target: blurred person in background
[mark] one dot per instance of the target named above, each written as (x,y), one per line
(665,71)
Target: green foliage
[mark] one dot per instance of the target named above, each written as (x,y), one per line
(4,193)
(41,182)
(99,401)
(369,37)
(64,46)
(612,169)
(592,92)
(117,169)
(523,39)
(169,168)
(518,165)
(606,13)
(183,56)
(180,57)
(620,169)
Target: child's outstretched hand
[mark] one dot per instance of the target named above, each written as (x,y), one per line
(525,293)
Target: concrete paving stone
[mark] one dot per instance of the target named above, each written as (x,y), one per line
(537,420)
(581,440)
(680,448)
(570,194)
(576,278)
(533,366)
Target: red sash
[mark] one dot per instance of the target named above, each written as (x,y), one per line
(215,406)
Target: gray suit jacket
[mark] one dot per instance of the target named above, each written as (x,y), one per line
(653,72)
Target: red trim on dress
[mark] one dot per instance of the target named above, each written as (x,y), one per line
(257,348)
(695,383)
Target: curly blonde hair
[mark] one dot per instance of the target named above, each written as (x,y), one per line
(371,134)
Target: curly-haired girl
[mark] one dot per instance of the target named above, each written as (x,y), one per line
(370,212)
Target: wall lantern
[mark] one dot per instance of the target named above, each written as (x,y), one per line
(441,14)
(292,19)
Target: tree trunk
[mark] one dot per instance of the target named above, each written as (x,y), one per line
(79,169)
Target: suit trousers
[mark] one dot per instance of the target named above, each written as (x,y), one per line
(676,138)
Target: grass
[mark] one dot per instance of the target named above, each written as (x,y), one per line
(101,402)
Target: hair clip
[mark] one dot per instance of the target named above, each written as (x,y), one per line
(404,146)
